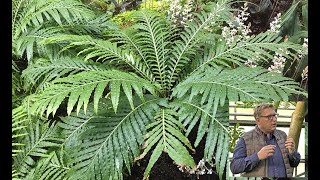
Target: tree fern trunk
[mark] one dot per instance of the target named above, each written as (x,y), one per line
(296,122)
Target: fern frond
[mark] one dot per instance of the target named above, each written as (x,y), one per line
(17,8)
(190,113)
(101,50)
(290,13)
(51,167)
(166,135)
(27,41)
(40,138)
(19,125)
(131,40)
(240,84)
(15,174)
(153,37)
(100,145)
(261,47)
(76,123)
(16,81)
(95,26)
(39,11)
(190,38)
(45,71)
(81,86)
(217,142)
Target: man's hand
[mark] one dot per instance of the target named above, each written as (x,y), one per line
(290,145)
(266,151)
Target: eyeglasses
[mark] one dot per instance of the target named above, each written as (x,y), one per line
(270,117)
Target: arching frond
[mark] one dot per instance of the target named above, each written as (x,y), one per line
(240,84)
(187,45)
(44,70)
(51,167)
(130,39)
(19,125)
(40,138)
(29,41)
(102,50)
(217,142)
(76,123)
(165,134)
(214,127)
(191,113)
(101,145)
(95,26)
(153,37)
(80,87)
(261,47)
(38,11)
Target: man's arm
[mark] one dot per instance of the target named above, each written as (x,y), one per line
(294,156)
(294,159)
(240,162)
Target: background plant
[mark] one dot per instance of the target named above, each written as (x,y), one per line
(235,132)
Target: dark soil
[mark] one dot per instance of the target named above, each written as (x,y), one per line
(164,168)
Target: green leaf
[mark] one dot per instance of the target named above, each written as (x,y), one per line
(166,134)
(19,124)
(214,127)
(104,143)
(52,167)
(256,48)
(241,84)
(40,138)
(85,83)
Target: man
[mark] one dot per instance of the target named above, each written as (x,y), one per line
(265,151)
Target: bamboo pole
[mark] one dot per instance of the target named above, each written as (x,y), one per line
(297,121)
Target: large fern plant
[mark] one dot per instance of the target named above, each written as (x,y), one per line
(142,90)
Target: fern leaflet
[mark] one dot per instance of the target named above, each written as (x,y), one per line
(79,88)
(166,135)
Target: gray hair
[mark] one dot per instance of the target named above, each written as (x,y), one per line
(258,109)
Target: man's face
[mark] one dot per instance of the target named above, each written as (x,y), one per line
(267,121)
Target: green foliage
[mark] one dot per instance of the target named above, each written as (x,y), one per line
(35,20)
(19,118)
(15,175)
(241,84)
(101,144)
(81,86)
(166,134)
(51,167)
(159,5)
(143,88)
(43,71)
(103,50)
(124,19)
(41,137)
(215,128)
(295,25)
(36,12)
(235,132)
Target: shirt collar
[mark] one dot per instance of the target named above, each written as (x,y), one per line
(261,132)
